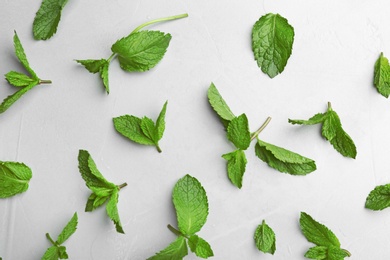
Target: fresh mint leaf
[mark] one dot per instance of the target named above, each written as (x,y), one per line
(317,252)
(47,18)
(382,76)
(14,178)
(238,132)
(102,190)
(175,251)
(19,79)
(219,105)
(139,51)
(143,131)
(379,198)
(236,166)
(332,130)
(265,238)
(284,160)
(190,200)
(272,41)
(56,251)
(200,247)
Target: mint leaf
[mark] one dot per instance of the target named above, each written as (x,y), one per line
(56,251)
(238,132)
(332,130)
(336,253)
(47,18)
(219,105)
(98,66)
(265,238)
(21,55)
(175,251)
(18,79)
(382,76)
(272,41)
(142,131)
(284,160)
(190,200)
(102,190)
(379,198)
(236,166)
(14,178)
(317,252)
(200,247)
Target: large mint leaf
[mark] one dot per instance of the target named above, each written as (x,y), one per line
(130,127)
(14,178)
(379,198)
(68,230)
(238,132)
(265,238)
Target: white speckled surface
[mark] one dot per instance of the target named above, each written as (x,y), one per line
(336,45)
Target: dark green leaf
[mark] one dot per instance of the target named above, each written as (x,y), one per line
(317,252)
(160,123)
(382,76)
(379,198)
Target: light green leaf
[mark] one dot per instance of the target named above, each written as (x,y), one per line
(94,201)
(68,230)
(236,166)
(149,129)
(14,178)
(336,253)
(112,211)
(284,160)
(272,41)
(19,51)
(51,254)
(141,51)
(382,76)
(175,251)
(317,233)
(316,119)
(219,105)
(160,123)
(62,252)
(200,247)
(238,132)
(8,101)
(379,198)
(95,66)
(190,200)
(18,79)
(104,76)
(47,18)
(265,238)
(317,252)
(130,127)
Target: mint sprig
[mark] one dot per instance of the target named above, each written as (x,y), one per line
(239,134)
(332,131)
(379,198)
(57,251)
(265,238)
(102,190)
(382,76)
(20,80)
(138,52)
(190,201)
(14,178)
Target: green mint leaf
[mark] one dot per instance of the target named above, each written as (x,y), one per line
(175,251)
(130,127)
(317,233)
(47,18)
(317,252)
(18,79)
(51,254)
(219,105)
(112,211)
(95,201)
(149,129)
(8,101)
(265,238)
(142,50)
(236,166)
(14,178)
(19,51)
(238,132)
(284,160)
(382,76)
(98,66)
(379,198)
(160,123)
(200,247)
(336,253)
(316,119)
(62,253)
(272,41)
(68,230)
(190,200)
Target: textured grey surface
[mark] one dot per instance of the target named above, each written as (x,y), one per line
(336,45)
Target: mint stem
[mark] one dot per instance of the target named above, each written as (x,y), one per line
(159,20)
(346,251)
(44,81)
(175,231)
(158,148)
(51,240)
(111,57)
(122,185)
(329,106)
(264,125)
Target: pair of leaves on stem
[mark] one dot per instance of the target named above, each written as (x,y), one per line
(238,133)
(327,244)
(332,130)
(190,201)
(47,18)
(102,190)
(14,178)
(142,130)
(57,251)
(265,238)
(138,52)
(272,41)
(18,79)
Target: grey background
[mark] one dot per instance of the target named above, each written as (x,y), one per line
(336,45)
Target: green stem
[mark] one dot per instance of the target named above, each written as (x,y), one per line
(264,125)
(175,231)
(111,57)
(122,185)
(329,106)
(159,20)
(346,251)
(51,240)
(158,148)
(44,81)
